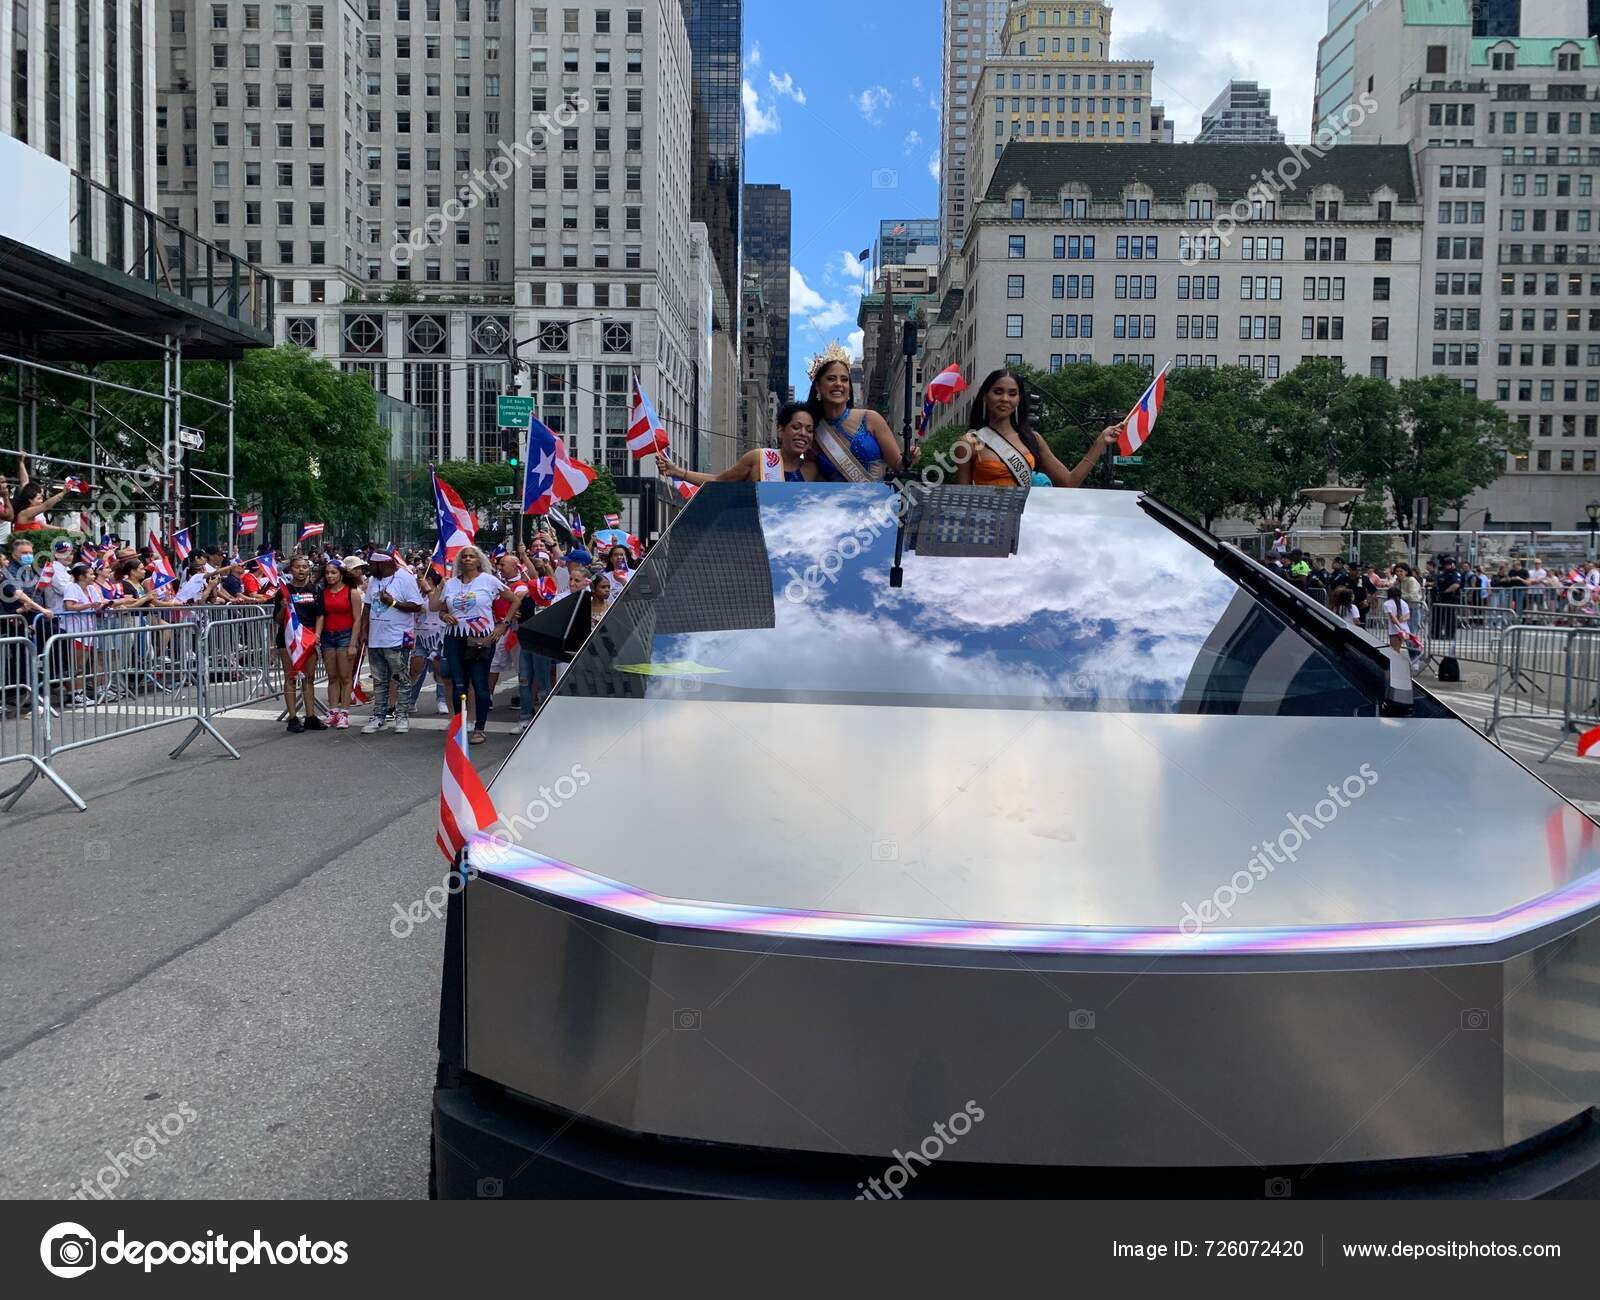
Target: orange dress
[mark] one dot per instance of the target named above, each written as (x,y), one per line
(988,470)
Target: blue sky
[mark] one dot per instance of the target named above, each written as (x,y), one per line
(841,106)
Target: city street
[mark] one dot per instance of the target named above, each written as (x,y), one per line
(211,939)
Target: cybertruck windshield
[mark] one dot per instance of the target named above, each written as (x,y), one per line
(782,592)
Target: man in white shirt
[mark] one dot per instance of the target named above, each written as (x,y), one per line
(393,601)
(56,577)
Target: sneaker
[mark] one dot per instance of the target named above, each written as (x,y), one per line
(80,701)
(402,726)
(443,709)
(314,723)
(375,724)
(342,721)
(523,726)
(294,726)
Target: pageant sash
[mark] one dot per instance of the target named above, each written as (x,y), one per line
(837,450)
(770,462)
(1013,459)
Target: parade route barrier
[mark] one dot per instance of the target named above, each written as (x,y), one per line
(1547,674)
(21,720)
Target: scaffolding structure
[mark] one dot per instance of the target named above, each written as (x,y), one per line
(135,287)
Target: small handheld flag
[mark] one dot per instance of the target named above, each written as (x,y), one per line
(298,639)
(684,490)
(943,389)
(1588,741)
(1136,429)
(310,531)
(458,526)
(646,434)
(159,564)
(551,475)
(613,521)
(180,545)
(76,484)
(464,805)
(249,523)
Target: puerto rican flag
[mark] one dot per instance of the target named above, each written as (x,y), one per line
(76,484)
(310,531)
(298,639)
(159,564)
(1141,421)
(249,523)
(684,490)
(465,808)
(551,475)
(458,526)
(181,546)
(646,434)
(269,572)
(613,521)
(942,389)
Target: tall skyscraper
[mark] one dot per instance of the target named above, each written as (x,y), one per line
(716,39)
(1336,54)
(78,84)
(971,34)
(1242,113)
(899,239)
(1054,78)
(767,216)
(429,180)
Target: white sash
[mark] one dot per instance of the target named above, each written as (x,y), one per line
(770,464)
(1013,459)
(837,450)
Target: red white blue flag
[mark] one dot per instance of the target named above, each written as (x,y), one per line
(646,434)
(248,523)
(1136,429)
(943,389)
(458,526)
(299,639)
(465,808)
(181,546)
(613,521)
(551,475)
(159,564)
(310,531)
(684,490)
(75,484)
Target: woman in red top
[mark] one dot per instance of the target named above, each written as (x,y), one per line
(338,616)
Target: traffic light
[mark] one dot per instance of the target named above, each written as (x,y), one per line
(511,444)
(1035,411)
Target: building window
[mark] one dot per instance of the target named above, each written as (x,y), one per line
(1013,327)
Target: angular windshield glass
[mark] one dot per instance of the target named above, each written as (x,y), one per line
(782,592)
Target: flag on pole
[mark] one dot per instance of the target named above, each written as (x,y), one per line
(464,805)
(577,524)
(1588,741)
(684,490)
(159,564)
(180,545)
(613,521)
(646,434)
(76,484)
(1141,420)
(551,475)
(269,573)
(458,526)
(942,389)
(249,523)
(299,640)
(310,531)
(358,692)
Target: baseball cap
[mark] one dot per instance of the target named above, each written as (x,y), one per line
(579,556)
(62,544)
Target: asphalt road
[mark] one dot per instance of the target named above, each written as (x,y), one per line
(208,950)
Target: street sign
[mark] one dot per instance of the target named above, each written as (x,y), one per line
(1130,460)
(193,439)
(505,491)
(515,412)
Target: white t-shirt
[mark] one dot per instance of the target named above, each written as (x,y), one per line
(1399,616)
(191,588)
(472,603)
(75,620)
(619,581)
(390,629)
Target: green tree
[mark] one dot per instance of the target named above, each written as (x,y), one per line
(596,502)
(1444,444)
(475,483)
(1208,454)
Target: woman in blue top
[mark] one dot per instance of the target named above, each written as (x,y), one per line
(791,462)
(851,446)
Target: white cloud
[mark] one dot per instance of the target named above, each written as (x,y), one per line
(913,142)
(856,342)
(916,83)
(753,59)
(872,102)
(758,120)
(934,104)
(819,313)
(933,165)
(785,86)
(852,268)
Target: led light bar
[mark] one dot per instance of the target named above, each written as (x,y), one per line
(561,880)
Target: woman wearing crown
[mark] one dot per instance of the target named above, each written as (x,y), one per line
(851,446)
(790,462)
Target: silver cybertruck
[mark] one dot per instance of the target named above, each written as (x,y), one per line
(1071,854)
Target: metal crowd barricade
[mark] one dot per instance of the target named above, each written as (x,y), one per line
(242,665)
(1533,678)
(22,714)
(1582,703)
